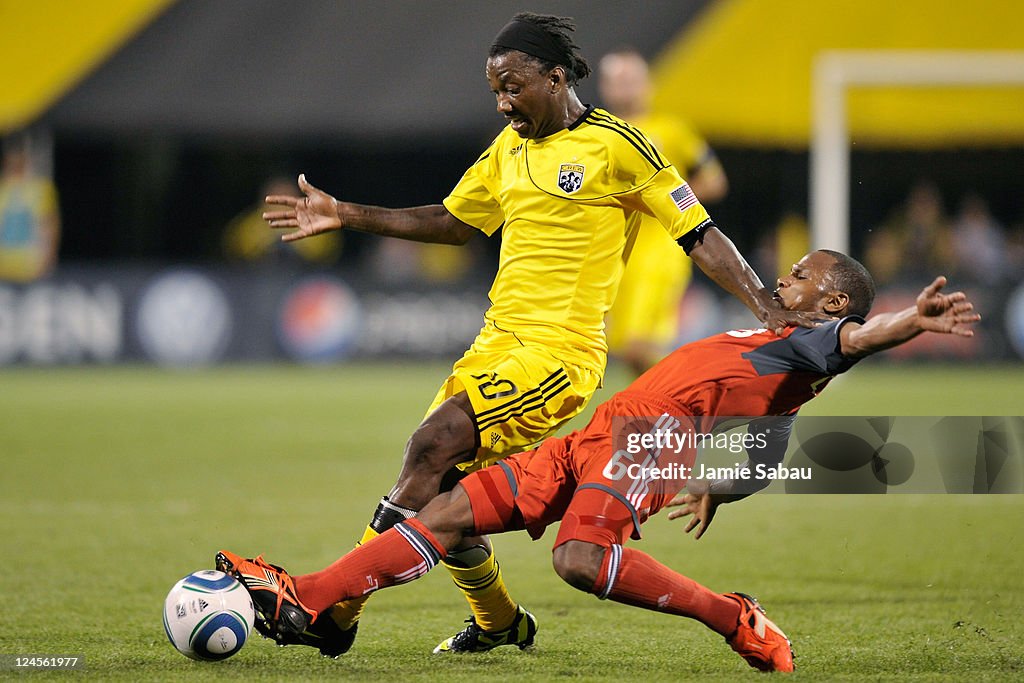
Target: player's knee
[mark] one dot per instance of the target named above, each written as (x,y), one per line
(578,563)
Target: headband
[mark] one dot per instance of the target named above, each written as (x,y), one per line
(525,36)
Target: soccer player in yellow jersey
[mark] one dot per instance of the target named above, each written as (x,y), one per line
(566,184)
(643,321)
(29,215)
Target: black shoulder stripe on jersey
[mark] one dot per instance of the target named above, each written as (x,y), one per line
(646,155)
(632,134)
(628,127)
(484,156)
(633,131)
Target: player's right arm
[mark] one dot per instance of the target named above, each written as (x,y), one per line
(933,312)
(317,212)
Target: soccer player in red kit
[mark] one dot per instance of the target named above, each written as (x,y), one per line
(599,481)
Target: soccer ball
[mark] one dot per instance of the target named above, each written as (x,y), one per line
(208,615)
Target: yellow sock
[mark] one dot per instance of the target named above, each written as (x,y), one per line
(347,612)
(485,591)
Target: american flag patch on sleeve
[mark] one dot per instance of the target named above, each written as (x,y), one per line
(683,196)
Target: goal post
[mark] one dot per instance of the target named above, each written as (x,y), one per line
(835,72)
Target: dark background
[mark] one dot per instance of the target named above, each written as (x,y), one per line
(174,194)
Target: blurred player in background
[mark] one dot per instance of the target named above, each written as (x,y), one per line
(915,239)
(29,215)
(566,184)
(643,321)
(979,242)
(247,239)
(602,491)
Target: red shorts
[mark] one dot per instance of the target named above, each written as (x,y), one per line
(603,481)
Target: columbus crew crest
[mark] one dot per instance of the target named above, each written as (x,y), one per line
(570,177)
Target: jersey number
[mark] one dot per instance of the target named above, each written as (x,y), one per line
(617,468)
(495,388)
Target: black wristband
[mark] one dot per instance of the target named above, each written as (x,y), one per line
(691,239)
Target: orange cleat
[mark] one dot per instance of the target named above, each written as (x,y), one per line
(758,640)
(279,614)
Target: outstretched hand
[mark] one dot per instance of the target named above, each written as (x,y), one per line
(945,313)
(312,214)
(697,502)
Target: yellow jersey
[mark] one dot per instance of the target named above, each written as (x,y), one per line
(29,222)
(568,206)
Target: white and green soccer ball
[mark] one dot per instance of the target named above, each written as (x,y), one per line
(208,615)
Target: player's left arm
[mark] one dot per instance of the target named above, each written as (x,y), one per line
(702,498)
(933,312)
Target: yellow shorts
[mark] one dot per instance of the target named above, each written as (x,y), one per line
(520,394)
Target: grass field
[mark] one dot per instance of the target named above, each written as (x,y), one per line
(117,482)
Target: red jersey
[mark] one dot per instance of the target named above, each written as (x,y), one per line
(742,373)
(750,372)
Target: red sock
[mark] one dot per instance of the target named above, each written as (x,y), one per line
(401,554)
(635,578)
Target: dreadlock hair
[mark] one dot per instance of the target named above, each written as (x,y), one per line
(559,29)
(849,276)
